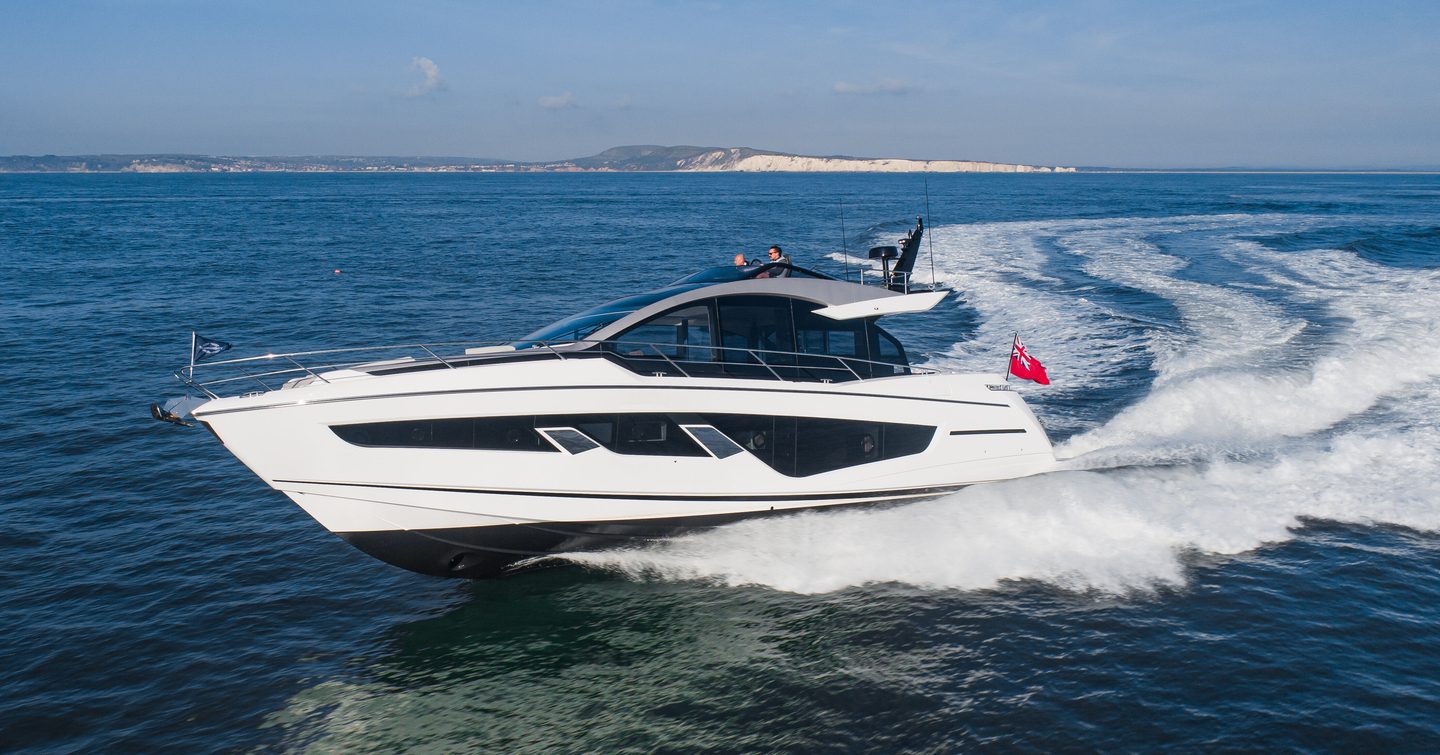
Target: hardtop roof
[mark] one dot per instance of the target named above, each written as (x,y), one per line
(823,291)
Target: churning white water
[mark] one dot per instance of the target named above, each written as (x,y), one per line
(1294,385)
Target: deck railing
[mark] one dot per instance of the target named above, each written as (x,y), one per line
(274,371)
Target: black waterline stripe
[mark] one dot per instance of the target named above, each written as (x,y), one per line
(488,548)
(987,432)
(648,497)
(574,528)
(590,387)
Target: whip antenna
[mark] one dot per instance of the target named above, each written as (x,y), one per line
(844,245)
(930,237)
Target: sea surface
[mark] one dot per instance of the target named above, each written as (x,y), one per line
(1243,551)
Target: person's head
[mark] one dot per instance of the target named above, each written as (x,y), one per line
(740,260)
(775,254)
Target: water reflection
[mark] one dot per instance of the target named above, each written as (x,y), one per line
(582,660)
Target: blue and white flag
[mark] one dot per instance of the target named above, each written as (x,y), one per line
(207,347)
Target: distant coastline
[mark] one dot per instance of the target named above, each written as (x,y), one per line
(641,158)
(632,159)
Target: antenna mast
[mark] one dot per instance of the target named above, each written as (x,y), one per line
(929,237)
(844,244)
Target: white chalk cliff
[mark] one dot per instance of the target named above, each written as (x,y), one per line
(747,161)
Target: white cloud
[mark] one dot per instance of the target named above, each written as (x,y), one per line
(558,101)
(625,103)
(883,86)
(432,81)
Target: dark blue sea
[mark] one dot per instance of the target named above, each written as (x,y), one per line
(1243,551)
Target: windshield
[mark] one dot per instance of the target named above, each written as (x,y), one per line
(728,273)
(718,274)
(572,328)
(576,327)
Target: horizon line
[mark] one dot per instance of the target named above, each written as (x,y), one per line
(463,160)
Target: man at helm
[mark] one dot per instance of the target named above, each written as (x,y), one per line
(776,255)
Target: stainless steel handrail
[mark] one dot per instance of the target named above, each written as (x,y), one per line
(896,278)
(560,350)
(761,360)
(354,349)
(291,360)
(433,354)
(851,369)
(668,359)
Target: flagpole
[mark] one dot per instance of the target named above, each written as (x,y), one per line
(192,355)
(1008,361)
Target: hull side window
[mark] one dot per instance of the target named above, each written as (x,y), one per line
(630,434)
(571,440)
(792,446)
(714,441)
(805,446)
(487,433)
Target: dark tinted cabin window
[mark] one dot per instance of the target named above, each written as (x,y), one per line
(794,446)
(762,337)
(826,444)
(573,441)
(756,324)
(601,429)
(652,435)
(886,348)
(683,334)
(716,442)
(508,434)
(827,344)
(491,433)
(786,449)
(630,434)
(904,440)
(754,433)
(635,434)
(804,446)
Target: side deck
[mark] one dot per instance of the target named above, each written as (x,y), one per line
(272,372)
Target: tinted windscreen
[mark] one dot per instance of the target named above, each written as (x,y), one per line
(570,329)
(579,326)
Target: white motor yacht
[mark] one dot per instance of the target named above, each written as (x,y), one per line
(731,393)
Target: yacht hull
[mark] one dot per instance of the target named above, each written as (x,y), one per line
(471,512)
(496,550)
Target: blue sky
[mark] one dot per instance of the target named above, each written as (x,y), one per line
(1141,84)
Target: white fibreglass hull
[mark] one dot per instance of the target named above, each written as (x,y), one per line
(472,512)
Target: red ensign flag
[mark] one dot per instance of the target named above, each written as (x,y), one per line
(1022,365)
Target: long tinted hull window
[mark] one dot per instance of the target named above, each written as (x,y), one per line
(631,434)
(488,433)
(793,446)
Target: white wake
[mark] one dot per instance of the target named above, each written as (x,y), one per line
(1255,419)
